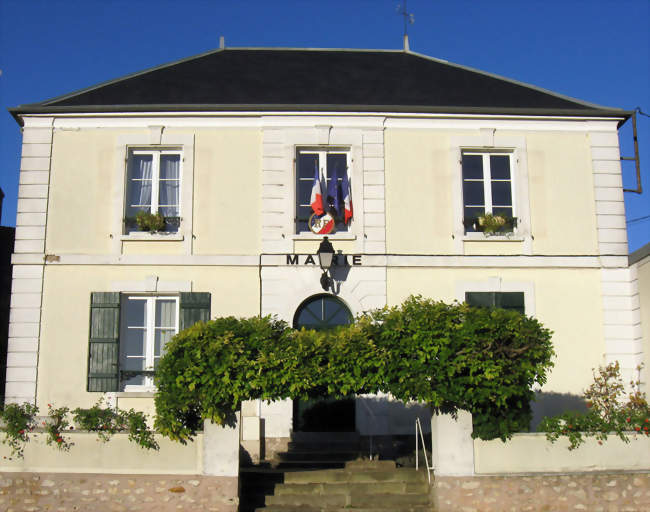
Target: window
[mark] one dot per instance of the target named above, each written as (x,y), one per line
(148,323)
(153,186)
(504,300)
(328,164)
(322,312)
(488,189)
(128,333)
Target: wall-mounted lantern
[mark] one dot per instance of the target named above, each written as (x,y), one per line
(325,255)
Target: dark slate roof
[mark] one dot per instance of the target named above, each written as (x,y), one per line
(639,254)
(263,79)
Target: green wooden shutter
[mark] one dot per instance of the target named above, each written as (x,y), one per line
(104,342)
(194,307)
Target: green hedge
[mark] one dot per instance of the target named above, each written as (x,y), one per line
(450,356)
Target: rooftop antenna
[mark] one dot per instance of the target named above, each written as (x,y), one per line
(409,19)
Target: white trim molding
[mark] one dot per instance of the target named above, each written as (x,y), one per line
(489,139)
(157,138)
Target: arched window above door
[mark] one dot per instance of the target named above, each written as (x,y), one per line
(322,312)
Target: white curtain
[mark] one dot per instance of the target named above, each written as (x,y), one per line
(169,185)
(140,183)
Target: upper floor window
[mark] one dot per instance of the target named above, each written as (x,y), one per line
(323,193)
(153,187)
(488,192)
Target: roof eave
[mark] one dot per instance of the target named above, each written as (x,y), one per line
(17,112)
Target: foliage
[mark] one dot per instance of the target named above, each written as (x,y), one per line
(450,356)
(19,421)
(55,425)
(139,431)
(104,421)
(609,411)
(148,221)
(491,224)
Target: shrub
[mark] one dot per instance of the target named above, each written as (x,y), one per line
(450,356)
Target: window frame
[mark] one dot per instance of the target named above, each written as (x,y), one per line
(321,152)
(155,137)
(491,140)
(156,154)
(487,180)
(149,338)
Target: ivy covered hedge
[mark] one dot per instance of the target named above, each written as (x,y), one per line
(451,356)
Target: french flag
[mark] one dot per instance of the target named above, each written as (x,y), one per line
(347,198)
(316,200)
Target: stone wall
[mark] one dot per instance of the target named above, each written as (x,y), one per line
(61,492)
(592,492)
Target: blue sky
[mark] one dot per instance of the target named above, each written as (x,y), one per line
(595,50)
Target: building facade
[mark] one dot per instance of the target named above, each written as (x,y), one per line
(226,147)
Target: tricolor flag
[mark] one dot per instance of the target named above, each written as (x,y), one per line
(334,192)
(316,200)
(347,198)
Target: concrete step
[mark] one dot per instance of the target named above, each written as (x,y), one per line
(350,488)
(338,476)
(353,500)
(324,437)
(318,455)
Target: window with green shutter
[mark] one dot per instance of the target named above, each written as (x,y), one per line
(504,300)
(128,333)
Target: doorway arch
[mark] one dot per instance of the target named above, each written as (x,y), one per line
(321,312)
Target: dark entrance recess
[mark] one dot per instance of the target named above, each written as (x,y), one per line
(322,312)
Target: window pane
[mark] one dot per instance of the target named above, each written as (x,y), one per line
(503,211)
(500,167)
(170,166)
(473,193)
(306,165)
(472,167)
(166,313)
(169,194)
(140,167)
(134,364)
(304,191)
(501,193)
(134,342)
(136,312)
(511,300)
(161,339)
(480,299)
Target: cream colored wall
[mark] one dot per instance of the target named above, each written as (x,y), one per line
(419,208)
(118,456)
(80,212)
(63,357)
(562,203)
(564,303)
(226,195)
(643,269)
(227,191)
(532,453)
(420,188)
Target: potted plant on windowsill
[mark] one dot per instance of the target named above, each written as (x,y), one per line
(490,224)
(152,222)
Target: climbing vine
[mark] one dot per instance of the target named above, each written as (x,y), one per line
(452,356)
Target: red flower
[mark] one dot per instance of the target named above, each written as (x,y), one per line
(628,419)
(647,420)
(637,428)
(21,431)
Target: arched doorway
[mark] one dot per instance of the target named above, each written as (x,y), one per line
(322,312)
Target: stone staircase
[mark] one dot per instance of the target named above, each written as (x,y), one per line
(319,474)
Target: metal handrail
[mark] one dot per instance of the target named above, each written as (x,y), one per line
(418,427)
(375,419)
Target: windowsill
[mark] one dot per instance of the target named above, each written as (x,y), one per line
(145,236)
(482,237)
(314,236)
(135,394)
